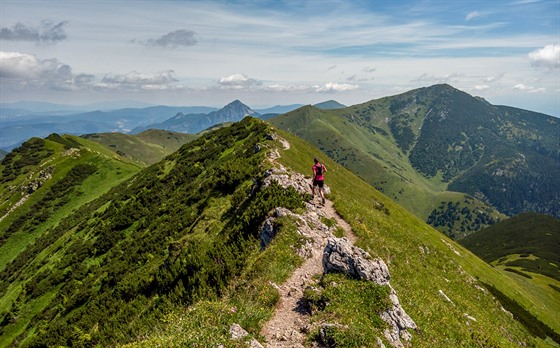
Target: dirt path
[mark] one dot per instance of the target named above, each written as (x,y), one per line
(291,321)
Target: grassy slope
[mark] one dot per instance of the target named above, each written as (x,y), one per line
(370,154)
(111,170)
(528,233)
(145,148)
(420,259)
(528,245)
(422,262)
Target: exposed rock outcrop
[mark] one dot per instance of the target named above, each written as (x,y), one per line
(341,256)
(286,179)
(35,184)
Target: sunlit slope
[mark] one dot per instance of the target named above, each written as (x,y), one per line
(144,148)
(172,257)
(424,263)
(422,147)
(371,153)
(45,180)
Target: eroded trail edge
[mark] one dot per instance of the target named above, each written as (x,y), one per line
(322,253)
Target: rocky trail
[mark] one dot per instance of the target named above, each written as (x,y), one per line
(291,321)
(323,253)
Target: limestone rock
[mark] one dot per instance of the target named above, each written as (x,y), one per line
(341,256)
(285,179)
(238,333)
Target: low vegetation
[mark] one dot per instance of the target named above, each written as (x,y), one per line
(172,257)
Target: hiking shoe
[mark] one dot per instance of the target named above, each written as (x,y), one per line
(323,201)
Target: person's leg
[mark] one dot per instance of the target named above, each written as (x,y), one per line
(314,185)
(321,191)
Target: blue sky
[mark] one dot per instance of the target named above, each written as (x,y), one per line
(269,53)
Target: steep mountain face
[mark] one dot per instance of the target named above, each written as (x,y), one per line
(194,123)
(419,145)
(175,256)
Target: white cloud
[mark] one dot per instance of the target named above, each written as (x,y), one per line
(134,80)
(47,32)
(529,89)
(493,78)
(432,79)
(21,70)
(181,37)
(481,87)
(472,15)
(287,88)
(548,57)
(336,87)
(238,81)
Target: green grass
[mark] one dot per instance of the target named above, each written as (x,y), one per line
(422,261)
(527,233)
(371,155)
(354,305)
(222,277)
(110,172)
(144,148)
(249,301)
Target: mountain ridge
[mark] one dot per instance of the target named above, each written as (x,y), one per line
(178,248)
(421,145)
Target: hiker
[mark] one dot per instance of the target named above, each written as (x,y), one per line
(319,178)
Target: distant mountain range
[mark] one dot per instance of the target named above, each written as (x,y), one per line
(16,129)
(194,123)
(23,120)
(429,147)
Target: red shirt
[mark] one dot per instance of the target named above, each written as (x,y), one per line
(321,176)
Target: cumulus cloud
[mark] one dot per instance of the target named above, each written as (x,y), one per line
(481,87)
(46,32)
(529,89)
(368,69)
(134,80)
(547,57)
(493,78)
(21,70)
(471,15)
(336,87)
(181,37)
(287,88)
(238,81)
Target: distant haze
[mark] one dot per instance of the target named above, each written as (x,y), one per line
(278,53)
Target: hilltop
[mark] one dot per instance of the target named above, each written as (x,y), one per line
(145,148)
(177,254)
(442,153)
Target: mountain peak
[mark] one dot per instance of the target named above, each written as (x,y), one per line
(329,104)
(238,108)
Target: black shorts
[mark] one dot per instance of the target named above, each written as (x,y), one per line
(319,183)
